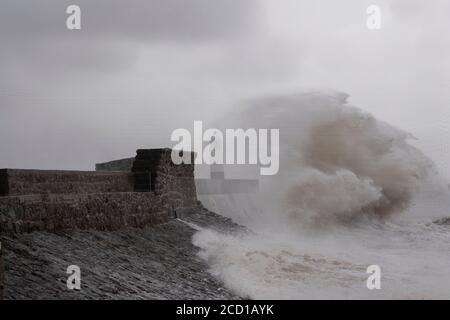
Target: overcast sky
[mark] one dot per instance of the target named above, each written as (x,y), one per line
(139,69)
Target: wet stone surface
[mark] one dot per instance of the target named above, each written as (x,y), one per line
(157,262)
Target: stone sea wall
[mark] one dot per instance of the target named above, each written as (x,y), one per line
(15,182)
(58,213)
(175,183)
(150,190)
(54,201)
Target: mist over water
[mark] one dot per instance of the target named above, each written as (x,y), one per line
(351,192)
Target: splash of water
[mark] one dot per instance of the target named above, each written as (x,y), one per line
(348,186)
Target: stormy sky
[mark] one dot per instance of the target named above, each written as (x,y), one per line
(139,69)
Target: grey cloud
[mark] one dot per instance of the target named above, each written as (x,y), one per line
(34,37)
(150,20)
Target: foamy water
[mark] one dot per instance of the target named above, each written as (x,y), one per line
(352,193)
(414,258)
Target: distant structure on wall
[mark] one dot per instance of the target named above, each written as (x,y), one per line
(218,184)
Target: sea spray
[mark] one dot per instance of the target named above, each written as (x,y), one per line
(348,195)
